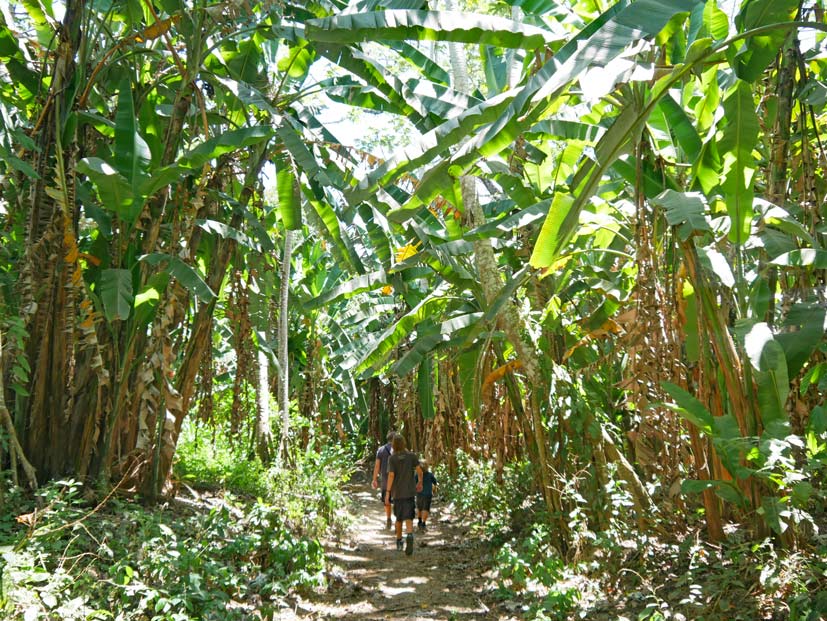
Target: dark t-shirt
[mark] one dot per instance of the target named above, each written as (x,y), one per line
(383,455)
(403,465)
(428,482)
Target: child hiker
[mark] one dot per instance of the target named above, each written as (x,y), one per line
(380,472)
(402,467)
(423,498)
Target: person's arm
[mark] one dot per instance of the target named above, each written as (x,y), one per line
(391,474)
(376,473)
(419,479)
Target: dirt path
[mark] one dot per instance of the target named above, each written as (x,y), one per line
(370,580)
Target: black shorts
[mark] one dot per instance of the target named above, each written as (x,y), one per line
(403,509)
(423,502)
(382,497)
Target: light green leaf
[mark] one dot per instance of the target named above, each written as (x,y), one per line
(686,210)
(806,257)
(289,193)
(229,141)
(114,190)
(401,25)
(740,134)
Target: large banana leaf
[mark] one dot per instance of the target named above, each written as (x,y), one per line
(770,365)
(448,333)
(289,193)
(740,134)
(116,293)
(132,156)
(425,388)
(431,306)
(507,114)
(401,25)
(183,273)
(758,52)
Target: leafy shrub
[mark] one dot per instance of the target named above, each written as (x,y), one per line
(501,505)
(174,563)
(532,563)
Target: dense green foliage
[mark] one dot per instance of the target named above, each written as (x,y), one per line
(215,554)
(667,573)
(589,282)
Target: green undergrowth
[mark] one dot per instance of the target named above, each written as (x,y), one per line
(232,545)
(614,571)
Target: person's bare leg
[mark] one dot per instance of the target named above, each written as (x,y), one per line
(409,537)
(424,517)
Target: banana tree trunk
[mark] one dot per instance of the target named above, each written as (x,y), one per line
(284,333)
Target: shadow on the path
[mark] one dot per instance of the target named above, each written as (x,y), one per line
(370,580)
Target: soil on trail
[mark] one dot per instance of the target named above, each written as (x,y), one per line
(370,580)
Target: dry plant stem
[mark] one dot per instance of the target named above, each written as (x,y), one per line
(83,518)
(14,444)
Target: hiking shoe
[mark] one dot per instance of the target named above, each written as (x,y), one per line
(398,544)
(424,527)
(388,524)
(409,544)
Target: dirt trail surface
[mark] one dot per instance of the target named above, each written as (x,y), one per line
(370,580)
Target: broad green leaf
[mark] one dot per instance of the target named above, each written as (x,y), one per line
(801,333)
(685,210)
(116,293)
(775,514)
(690,407)
(781,219)
(425,388)
(289,193)
(506,115)
(332,228)
(360,284)
(739,135)
(717,264)
(227,232)
(449,333)
(375,76)
(759,51)
(552,235)
(247,95)
(496,66)
(298,62)
(724,489)
(430,69)
(510,223)
(806,257)
(768,360)
(432,305)
(401,25)
(132,155)
(682,128)
(229,141)
(114,190)
(716,21)
(183,273)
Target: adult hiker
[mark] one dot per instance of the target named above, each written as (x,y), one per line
(380,475)
(402,467)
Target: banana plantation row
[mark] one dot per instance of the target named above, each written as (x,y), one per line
(596,245)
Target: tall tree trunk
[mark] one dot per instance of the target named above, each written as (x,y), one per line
(284,333)
(509,320)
